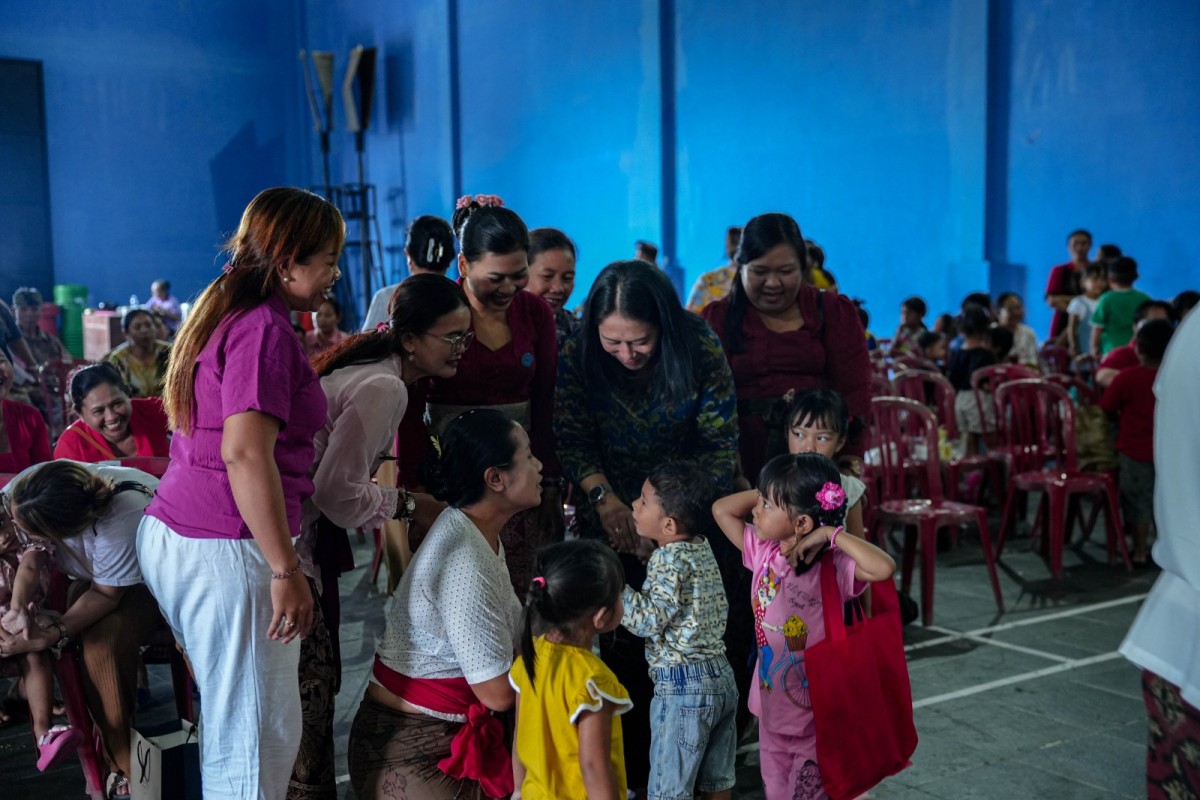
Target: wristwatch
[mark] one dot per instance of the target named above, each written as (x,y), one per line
(406,506)
(598,493)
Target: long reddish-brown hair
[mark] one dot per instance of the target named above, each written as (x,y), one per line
(280,225)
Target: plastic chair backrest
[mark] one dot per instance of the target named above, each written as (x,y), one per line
(1085,393)
(931,389)
(152,465)
(1055,359)
(909,361)
(1037,420)
(900,424)
(986,379)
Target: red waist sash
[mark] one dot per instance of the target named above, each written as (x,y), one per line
(477,751)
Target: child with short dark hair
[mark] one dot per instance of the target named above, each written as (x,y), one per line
(932,346)
(681,612)
(1081,308)
(1130,398)
(797,516)
(1112,321)
(975,352)
(568,740)
(912,324)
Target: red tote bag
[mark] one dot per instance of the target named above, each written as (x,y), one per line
(861,697)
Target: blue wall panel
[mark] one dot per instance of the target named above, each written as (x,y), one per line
(560,117)
(867,127)
(1105,116)
(163,119)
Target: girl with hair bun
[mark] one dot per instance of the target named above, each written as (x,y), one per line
(366,381)
(566,697)
(428,248)
(451,629)
(512,364)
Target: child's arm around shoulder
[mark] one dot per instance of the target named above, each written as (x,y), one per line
(730,514)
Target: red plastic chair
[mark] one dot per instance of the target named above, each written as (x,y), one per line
(933,390)
(54,377)
(151,465)
(1085,393)
(880,385)
(1055,360)
(901,422)
(1039,429)
(910,361)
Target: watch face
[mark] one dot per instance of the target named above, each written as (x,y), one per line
(596,494)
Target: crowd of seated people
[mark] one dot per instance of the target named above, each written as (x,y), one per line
(663,427)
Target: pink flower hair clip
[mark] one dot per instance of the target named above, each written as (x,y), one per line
(463,202)
(489,200)
(831,496)
(383,327)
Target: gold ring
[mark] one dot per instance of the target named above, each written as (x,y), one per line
(291,624)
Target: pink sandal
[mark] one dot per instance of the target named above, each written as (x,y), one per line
(55,744)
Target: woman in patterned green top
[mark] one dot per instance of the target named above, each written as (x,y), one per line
(641,382)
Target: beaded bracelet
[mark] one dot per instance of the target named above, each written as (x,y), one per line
(283,576)
(833,537)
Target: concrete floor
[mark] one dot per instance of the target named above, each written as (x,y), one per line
(1034,702)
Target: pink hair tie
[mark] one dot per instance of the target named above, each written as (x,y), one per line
(383,327)
(488,200)
(228,268)
(463,202)
(831,496)
(539,581)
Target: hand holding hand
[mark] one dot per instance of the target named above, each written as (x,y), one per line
(617,521)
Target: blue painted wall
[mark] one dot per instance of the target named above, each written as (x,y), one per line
(933,146)
(1105,117)
(560,117)
(163,120)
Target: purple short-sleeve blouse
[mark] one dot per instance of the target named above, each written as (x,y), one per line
(252,362)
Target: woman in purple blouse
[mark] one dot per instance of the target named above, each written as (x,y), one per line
(216,545)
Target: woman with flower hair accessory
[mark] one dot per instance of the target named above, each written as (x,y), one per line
(511,367)
(797,515)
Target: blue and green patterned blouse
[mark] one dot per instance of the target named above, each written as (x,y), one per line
(624,432)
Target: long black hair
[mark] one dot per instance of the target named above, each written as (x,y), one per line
(572,581)
(471,444)
(760,235)
(416,306)
(640,291)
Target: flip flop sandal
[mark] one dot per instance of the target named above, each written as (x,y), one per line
(116,782)
(55,744)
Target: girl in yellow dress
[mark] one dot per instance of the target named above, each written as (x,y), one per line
(568,735)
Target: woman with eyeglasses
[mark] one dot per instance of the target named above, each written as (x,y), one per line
(24,440)
(85,517)
(217,544)
(365,380)
(511,366)
(425,729)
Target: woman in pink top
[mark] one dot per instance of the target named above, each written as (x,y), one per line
(366,382)
(216,544)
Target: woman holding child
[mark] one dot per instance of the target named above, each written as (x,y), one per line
(781,335)
(641,382)
(425,729)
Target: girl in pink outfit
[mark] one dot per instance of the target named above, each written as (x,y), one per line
(797,512)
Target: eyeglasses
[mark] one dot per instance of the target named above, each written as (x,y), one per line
(459,342)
